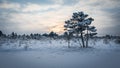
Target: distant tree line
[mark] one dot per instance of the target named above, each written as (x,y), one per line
(52,34)
(38,36)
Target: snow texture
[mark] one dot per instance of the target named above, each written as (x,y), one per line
(54,53)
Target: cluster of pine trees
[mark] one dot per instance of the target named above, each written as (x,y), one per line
(14,35)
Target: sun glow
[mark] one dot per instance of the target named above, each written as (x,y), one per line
(57,28)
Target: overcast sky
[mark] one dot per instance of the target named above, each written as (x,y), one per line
(39,16)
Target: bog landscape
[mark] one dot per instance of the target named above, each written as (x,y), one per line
(59,34)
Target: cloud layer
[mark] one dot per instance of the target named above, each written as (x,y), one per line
(40,16)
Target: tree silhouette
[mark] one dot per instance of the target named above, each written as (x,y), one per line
(68,36)
(79,24)
(53,34)
(45,34)
(1,33)
(13,35)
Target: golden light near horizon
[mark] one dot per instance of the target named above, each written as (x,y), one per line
(57,28)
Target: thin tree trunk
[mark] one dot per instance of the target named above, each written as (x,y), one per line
(78,39)
(87,39)
(79,42)
(82,39)
(68,43)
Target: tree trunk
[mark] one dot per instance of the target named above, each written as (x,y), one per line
(68,43)
(87,39)
(79,42)
(82,39)
(78,39)
(68,38)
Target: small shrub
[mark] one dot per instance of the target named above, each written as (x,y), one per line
(26,47)
(117,41)
(106,41)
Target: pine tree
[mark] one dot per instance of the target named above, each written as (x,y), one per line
(79,24)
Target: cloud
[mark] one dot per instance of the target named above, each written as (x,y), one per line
(8,5)
(37,17)
(30,7)
(59,28)
(42,2)
(58,1)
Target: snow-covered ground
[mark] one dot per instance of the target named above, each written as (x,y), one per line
(50,53)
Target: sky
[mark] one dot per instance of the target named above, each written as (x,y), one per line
(43,16)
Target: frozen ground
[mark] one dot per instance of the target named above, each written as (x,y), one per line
(48,53)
